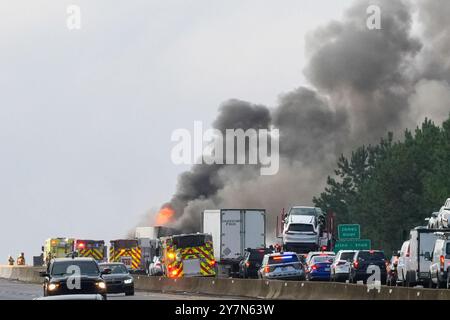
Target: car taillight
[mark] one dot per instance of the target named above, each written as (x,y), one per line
(266,269)
(442,261)
(313,267)
(356,264)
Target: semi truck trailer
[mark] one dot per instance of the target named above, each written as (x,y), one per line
(233,231)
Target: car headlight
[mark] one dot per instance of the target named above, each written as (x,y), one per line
(53,286)
(128,281)
(101,285)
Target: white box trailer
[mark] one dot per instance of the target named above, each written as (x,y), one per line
(233,231)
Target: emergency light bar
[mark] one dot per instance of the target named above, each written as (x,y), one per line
(282,257)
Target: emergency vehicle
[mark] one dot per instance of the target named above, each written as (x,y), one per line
(128,252)
(188,255)
(90,249)
(57,248)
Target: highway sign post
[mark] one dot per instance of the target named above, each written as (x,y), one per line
(349,231)
(360,244)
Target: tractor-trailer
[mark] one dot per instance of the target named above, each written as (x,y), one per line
(233,231)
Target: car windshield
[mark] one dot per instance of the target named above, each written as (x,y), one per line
(300,227)
(304,211)
(288,258)
(347,256)
(322,259)
(88,268)
(189,241)
(371,256)
(115,268)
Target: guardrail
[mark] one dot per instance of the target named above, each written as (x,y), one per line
(257,289)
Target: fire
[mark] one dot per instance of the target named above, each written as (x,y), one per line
(165,216)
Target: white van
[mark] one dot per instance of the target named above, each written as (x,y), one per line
(403,261)
(440,261)
(416,268)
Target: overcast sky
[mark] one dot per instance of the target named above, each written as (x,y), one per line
(86,115)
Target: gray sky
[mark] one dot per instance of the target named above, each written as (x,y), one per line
(86,115)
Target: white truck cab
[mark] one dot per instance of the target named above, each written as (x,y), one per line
(440,261)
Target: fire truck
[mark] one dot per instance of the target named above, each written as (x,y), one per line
(188,255)
(128,252)
(56,248)
(90,248)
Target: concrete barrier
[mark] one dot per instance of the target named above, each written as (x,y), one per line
(21,273)
(285,290)
(256,289)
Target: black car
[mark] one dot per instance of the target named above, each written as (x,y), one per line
(250,264)
(69,276)
(119,280)
(364,259)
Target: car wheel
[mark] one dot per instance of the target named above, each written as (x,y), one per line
(431,283)
(130,293)
(440,284)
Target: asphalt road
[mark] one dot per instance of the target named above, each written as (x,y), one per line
(16,290)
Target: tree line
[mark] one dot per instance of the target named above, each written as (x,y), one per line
(391,187)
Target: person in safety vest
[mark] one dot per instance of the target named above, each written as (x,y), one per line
(21,259)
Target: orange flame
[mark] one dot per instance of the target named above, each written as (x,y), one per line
(165,216)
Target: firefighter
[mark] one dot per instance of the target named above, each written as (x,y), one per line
(10,260)
(21,259)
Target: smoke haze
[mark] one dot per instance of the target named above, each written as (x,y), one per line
(363,83)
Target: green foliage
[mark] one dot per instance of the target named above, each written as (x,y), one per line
(392,187)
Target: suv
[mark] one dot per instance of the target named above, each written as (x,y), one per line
(341,266)
(249,266)
(444,215)
(440,262)
(433,222)
(302,228)
(364,259)
(67,276)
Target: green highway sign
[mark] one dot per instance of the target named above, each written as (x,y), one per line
(349,231)
(363,244)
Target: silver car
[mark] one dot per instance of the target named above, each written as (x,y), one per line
(283,266)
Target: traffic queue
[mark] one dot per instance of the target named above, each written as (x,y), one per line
(232,243)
